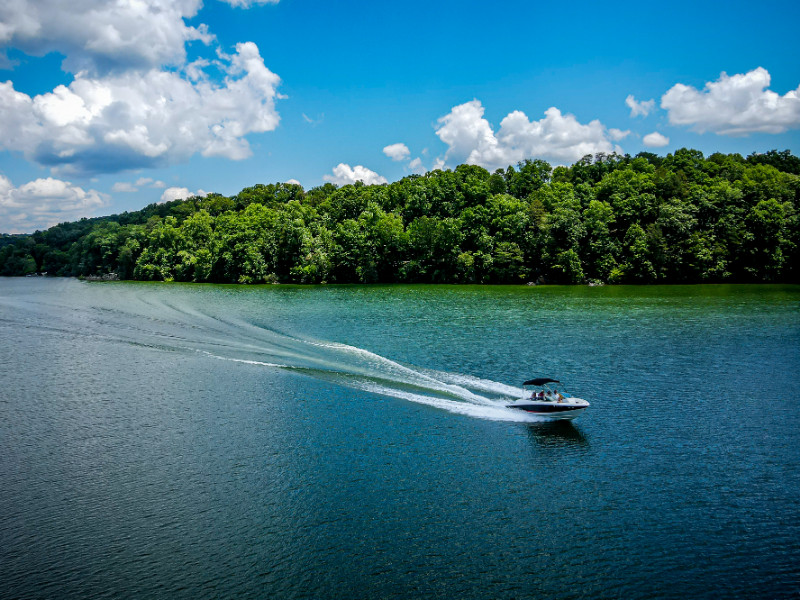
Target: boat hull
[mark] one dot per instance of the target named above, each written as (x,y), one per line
(552,410)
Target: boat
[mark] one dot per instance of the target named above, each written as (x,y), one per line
(541,397)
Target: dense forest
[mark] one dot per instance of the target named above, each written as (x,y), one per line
(683,218)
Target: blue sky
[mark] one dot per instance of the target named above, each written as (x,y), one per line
(107,106)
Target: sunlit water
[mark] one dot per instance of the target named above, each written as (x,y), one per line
(353,442)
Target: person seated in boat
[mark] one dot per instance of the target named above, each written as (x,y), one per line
(558,397)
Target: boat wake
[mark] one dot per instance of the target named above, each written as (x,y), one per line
(455,393)
(162,321)
(361,369)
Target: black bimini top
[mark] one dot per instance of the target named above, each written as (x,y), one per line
(541,381)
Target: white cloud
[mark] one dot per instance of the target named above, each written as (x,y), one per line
(314,122)
(149,182)
(344,174)
(43,203)
(416,166)
(643,108)
(734,105)
(179,193)
(127,186)
(618,134)
(248,3)
(466,132)
(293,182)
(142,119)
(100,36)
(124,186)
(655,140)
(557,137)
(397,152)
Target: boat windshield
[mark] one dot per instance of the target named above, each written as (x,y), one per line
(544,392)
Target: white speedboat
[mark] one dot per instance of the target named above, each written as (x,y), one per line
(545,400)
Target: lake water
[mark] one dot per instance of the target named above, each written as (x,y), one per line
(190,441)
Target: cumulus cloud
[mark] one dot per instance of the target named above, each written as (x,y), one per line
(98,36)
(179,193)
(142,119)
(397,152)
(344,174)
(655,140)
(734,105)
(134,100)
(643,108)
(43,203)
(557,137)
(293,182)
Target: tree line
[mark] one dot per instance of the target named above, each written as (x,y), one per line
(683,218)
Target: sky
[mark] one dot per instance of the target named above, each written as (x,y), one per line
(110,105)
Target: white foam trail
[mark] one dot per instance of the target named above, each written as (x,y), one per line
(453,392)
(485,385)
(185,326)
(423,378)
(492,413)
(470,404)
(244,361)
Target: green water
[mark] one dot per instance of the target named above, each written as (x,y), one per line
(324,442)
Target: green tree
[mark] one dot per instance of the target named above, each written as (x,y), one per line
(600,247)
(636,266)
(766,240)
(529,176)
(434,246)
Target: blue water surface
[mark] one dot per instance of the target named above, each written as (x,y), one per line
(191,441)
